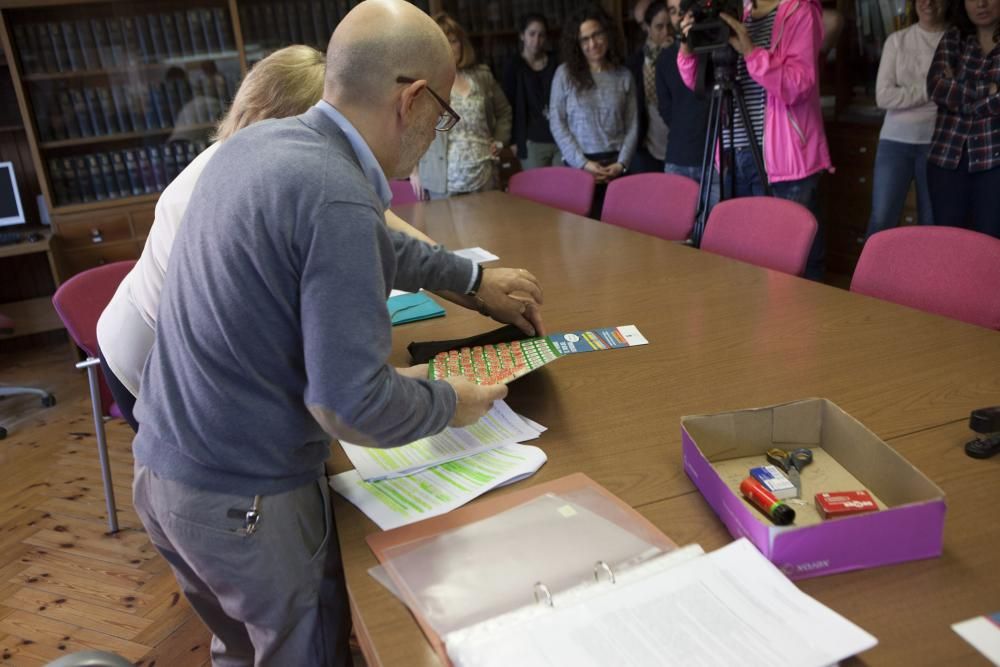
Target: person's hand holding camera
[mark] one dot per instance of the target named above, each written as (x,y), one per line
(686,22)
(740,39)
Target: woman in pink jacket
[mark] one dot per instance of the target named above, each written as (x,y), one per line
(779,41)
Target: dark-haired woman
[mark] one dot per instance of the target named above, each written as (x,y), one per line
(652,148)
(592,109)
(527,81)
(963,170)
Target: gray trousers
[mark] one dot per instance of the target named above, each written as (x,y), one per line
(541,155)
(274,597)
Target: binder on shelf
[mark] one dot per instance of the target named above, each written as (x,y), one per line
(566,573)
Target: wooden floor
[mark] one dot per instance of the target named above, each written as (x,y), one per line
(65,584)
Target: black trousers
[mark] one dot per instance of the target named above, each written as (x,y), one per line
(597,203)
(963,199)
(123,397)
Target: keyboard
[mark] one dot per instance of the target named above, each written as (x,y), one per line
(493,364)
(10,238)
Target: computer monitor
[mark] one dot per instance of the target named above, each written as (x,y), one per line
(11,211)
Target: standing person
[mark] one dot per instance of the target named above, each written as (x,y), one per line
(964,165)
(273,337)
(593,113)
(465,160)
(905,140)
(682,111)
(527,81)
(778,71)
(652,148)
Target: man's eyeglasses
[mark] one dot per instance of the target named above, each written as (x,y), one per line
(448,118)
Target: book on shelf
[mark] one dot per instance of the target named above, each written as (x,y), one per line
(95,177)
(107,107)
(104,54)
(94,111)
(108,176)
(58,181)
(158,102)
(169,163)
(172,96)
(88,49)
(74,59)
(142,103)
(223,29)
(120,174)
(144,41)
(82,179)
(56,48)
(116,42)
(81,113)
(183,36)
(306,27)
(155,30)
(27,47)
(74,194)
(134,173)
(119,101)
(179,150)
(159,171)
(207,28)
(145,170)
(170,40)
(320,23)
(130,41)
(280,30)
(195,35)
(68,116)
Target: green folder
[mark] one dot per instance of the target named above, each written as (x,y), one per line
(413,308)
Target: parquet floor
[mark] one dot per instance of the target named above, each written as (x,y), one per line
(65,584)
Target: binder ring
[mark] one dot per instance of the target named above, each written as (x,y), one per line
(542,594)
(601,566)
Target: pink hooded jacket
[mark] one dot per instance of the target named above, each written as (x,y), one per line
(794,141)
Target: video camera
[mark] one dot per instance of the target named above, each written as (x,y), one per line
(709,32)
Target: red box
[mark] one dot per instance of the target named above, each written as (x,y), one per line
(844,503)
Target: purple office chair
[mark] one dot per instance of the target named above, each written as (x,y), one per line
(80,302)
(662,205)
(942,270)
(559,187)
(402,192)
(48,400)
(766,231)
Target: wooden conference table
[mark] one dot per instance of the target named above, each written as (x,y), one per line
(723,335)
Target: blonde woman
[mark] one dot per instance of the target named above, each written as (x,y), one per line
(464,159)
(286,83)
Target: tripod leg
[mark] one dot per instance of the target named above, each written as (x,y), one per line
(707,172)
(758,159)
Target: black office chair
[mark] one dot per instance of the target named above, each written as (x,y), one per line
(48,400)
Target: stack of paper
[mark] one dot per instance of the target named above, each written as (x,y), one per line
(501,426)
(438,473)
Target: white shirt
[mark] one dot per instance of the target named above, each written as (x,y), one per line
(901,86)
(127,326)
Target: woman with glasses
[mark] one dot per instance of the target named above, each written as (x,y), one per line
(593,112)
(527,81)
(464,159)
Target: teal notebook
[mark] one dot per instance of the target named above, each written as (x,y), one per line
(412,308)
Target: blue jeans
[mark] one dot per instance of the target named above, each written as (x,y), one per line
(694,173)
(896,166)
(964,199)
(802,191)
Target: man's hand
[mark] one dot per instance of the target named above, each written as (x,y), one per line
(740,39)
(513,296)
(474,400)
(418,372)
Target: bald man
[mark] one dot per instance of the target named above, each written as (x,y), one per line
(273,336)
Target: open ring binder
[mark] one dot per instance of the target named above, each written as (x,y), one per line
(543,594)
(601,566)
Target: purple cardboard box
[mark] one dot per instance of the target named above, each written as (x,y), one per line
(719,449)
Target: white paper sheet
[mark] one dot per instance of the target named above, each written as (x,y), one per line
(477,255)
(501,426)
(396,502)
(983,632)
(731,607)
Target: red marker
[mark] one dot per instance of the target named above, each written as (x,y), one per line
(764,500)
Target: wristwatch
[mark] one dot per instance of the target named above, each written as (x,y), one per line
(477,282)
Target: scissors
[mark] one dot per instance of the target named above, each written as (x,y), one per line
(791,462)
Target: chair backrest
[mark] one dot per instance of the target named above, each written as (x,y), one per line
(80,301)
(766,231)
(661,205)
(402,192)
(567,189)
(943,270)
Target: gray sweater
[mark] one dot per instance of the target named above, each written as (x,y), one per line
(273,317)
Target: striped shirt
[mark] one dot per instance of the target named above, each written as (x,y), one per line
(753,93)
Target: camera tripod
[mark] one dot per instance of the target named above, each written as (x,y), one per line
(726,93)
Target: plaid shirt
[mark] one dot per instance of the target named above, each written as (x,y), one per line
(968,115)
